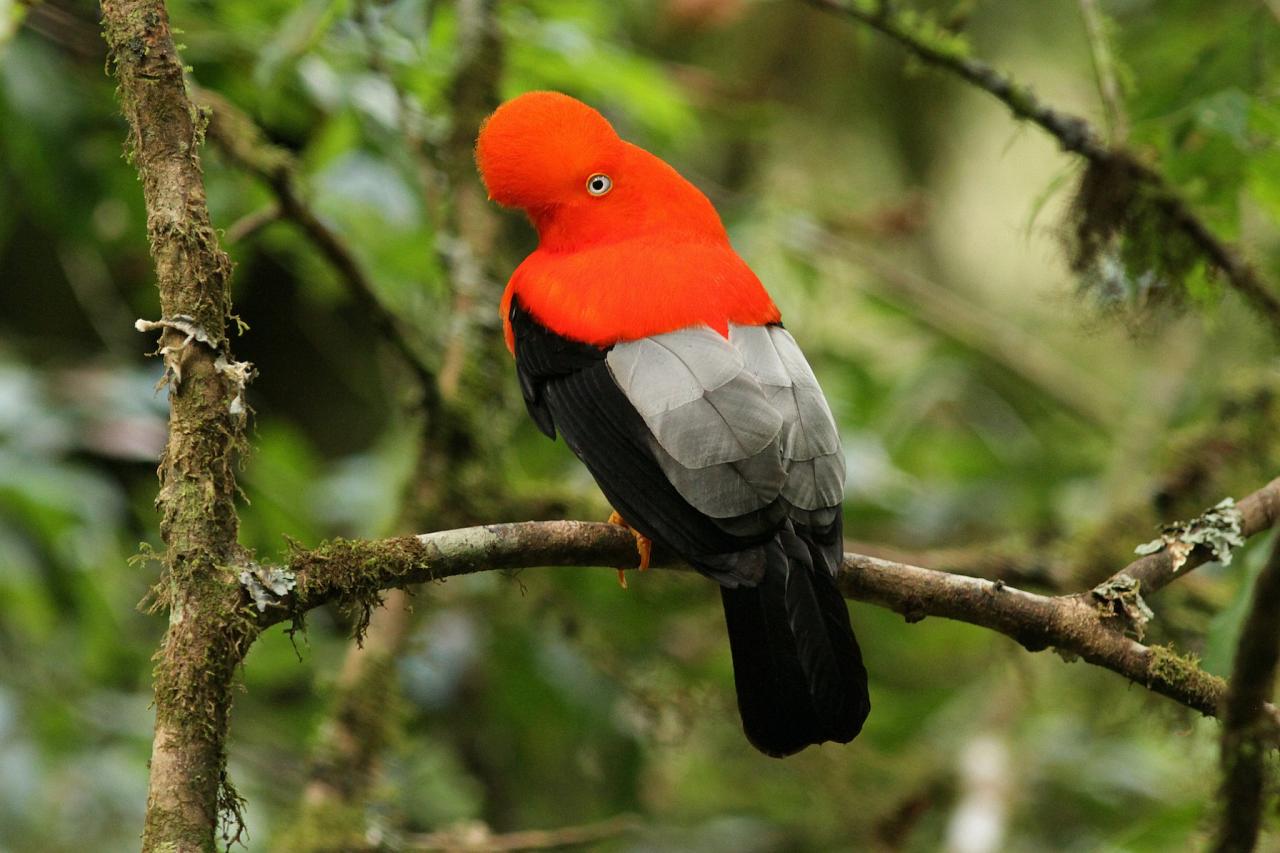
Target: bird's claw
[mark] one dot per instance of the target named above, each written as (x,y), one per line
(644,546)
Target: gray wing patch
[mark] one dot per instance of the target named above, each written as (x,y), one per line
(809,443)
(715,434)
(739,426)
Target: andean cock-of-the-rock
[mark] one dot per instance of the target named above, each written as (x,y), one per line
(648,344)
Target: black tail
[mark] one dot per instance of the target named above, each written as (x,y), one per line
(796,663)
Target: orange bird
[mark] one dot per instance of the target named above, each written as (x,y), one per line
(641,336)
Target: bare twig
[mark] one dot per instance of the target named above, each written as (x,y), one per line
(981,331)
(64,28)
(1246,730)
(251,223)
(1005,561)
(1077,625)
(1075,135)
(477,836)
(90,281)
(1105,72)
(242,142)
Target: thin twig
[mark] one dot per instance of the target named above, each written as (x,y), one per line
(242,143)
(1005,561)
(1246,731)
(982,331)
(479,837)
(1105,71)
(251,223)
(1075,135)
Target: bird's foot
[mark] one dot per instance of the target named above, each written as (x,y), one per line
(644,546)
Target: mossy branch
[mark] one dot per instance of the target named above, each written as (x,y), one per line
(1091,627)
(1118,189)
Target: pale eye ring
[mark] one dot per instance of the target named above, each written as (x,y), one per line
(599,184)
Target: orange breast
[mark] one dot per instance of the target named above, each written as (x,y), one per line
(637,288)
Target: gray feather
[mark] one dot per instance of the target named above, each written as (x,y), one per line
(810,441)
(739,426)
(729,489)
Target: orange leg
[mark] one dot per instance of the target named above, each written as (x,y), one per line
(643,545)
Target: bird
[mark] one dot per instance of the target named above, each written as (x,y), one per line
(647,343)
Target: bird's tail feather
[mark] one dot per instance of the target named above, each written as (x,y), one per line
(796,663)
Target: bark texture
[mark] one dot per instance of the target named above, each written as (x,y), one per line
(203,645)
(1247,733)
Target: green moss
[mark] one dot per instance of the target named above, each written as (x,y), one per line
(925,32)
(1183,673)
(356,572)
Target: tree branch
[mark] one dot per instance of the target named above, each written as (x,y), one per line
(1246,729)
(478,837)
(1074,134)
(1081,625)
(242,142)
(1095,28)
(205,641)
(453,440)
(1259,511)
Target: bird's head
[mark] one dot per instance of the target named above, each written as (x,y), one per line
(561,162)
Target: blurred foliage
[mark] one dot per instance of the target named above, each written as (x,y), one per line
(551,698)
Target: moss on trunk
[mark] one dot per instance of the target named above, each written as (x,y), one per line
(208,632)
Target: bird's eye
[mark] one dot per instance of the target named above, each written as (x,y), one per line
(599,184)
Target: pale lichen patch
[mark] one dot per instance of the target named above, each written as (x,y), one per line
(268,586)
(1218,529)
(1121,596)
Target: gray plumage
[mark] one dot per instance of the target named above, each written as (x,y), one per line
(739,426)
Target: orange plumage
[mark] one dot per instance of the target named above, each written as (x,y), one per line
(648,256)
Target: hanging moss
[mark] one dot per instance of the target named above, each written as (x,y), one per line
(356,572)
(1120,241)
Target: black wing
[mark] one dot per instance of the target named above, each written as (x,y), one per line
(567,387)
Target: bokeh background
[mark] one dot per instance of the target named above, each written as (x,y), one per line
(1002,415)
